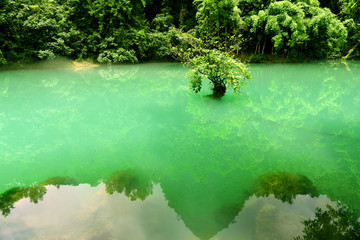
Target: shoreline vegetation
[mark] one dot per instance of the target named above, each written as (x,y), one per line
(83,65)
(140,31)
(62,63)
(65,63)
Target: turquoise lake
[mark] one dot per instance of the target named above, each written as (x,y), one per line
(129,152)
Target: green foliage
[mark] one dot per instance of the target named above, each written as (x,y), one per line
(334,223)
(110,31)
(252,7)
(2,59)
(31,29)
(119,56)
(46,54)
(163,21)
(350,14)
(297,27)
(220,69)
(284,23)
(114,31)
(217,17)
(258,58)
(327,34)
(151,44)
(219,24)
(103,29)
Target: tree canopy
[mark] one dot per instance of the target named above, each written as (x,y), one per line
(117,31)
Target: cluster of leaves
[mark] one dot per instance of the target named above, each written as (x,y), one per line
(222,70)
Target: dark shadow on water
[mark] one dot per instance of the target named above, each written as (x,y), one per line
(212,96)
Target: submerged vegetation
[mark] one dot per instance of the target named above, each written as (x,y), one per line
(117,31)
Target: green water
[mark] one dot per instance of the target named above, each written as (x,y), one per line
(135,155)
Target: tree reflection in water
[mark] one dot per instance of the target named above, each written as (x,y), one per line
(10,197)
(35,193)
(135,185)
(206,217)
(207,204)
(338,223)
(284,186)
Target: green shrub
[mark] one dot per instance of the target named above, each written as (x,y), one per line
(117,56)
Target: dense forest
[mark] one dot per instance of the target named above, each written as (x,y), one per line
(117,31)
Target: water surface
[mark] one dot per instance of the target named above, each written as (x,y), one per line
(128,152)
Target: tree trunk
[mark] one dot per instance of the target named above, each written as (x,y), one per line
(257,49)
(219,89)
(263,50)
